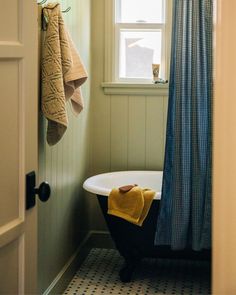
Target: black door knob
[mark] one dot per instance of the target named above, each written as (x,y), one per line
(44,191)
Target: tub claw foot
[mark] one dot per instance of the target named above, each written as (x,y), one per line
(126,273)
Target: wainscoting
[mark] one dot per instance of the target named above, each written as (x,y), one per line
(130,135)
(128,132)
(63,221)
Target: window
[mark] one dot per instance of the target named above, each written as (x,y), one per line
(137,36)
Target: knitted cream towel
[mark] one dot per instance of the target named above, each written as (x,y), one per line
(62,73)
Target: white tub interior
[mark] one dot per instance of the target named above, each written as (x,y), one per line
(102,184)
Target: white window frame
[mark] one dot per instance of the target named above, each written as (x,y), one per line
(112,29)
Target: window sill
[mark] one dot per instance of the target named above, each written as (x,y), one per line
(148,89)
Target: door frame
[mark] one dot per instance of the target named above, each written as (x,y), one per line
(224,149)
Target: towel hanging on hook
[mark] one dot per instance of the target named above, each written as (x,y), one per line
(62,74)
(64,11)
(44,1)
(44,18)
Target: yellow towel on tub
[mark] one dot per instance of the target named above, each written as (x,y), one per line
(62,74)
(133,206)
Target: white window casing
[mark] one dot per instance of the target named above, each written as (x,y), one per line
(112,83)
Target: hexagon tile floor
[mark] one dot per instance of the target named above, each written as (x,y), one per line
(99,275)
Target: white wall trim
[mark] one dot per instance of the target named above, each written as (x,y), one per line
(98,239)
(111,47)
(67,266)
(112,88)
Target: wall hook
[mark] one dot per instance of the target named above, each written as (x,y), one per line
(68,9)
(42,2)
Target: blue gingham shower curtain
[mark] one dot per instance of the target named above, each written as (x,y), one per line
(185,215)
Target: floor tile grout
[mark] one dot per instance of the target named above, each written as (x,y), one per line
(98,275)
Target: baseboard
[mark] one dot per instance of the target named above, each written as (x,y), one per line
(94,239)
(100,239)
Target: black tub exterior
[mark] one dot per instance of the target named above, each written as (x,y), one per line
(135,242)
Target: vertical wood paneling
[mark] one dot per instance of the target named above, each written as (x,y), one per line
(100,144)
(137,133)
(101,104)
(52,239)
(127,132)
(63,219)
(142,130)
(119,132)
(101,148)
(154,133)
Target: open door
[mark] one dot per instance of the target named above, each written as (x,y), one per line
(18,144)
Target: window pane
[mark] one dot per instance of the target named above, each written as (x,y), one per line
(132,11)
(138,50)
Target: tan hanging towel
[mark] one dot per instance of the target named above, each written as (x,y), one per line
(62,74)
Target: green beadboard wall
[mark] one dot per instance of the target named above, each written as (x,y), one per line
(63,220)
(114,132)
(128,132)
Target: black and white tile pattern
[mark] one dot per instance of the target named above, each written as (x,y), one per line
(99,274)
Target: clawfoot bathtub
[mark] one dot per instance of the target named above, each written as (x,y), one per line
(134,242)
